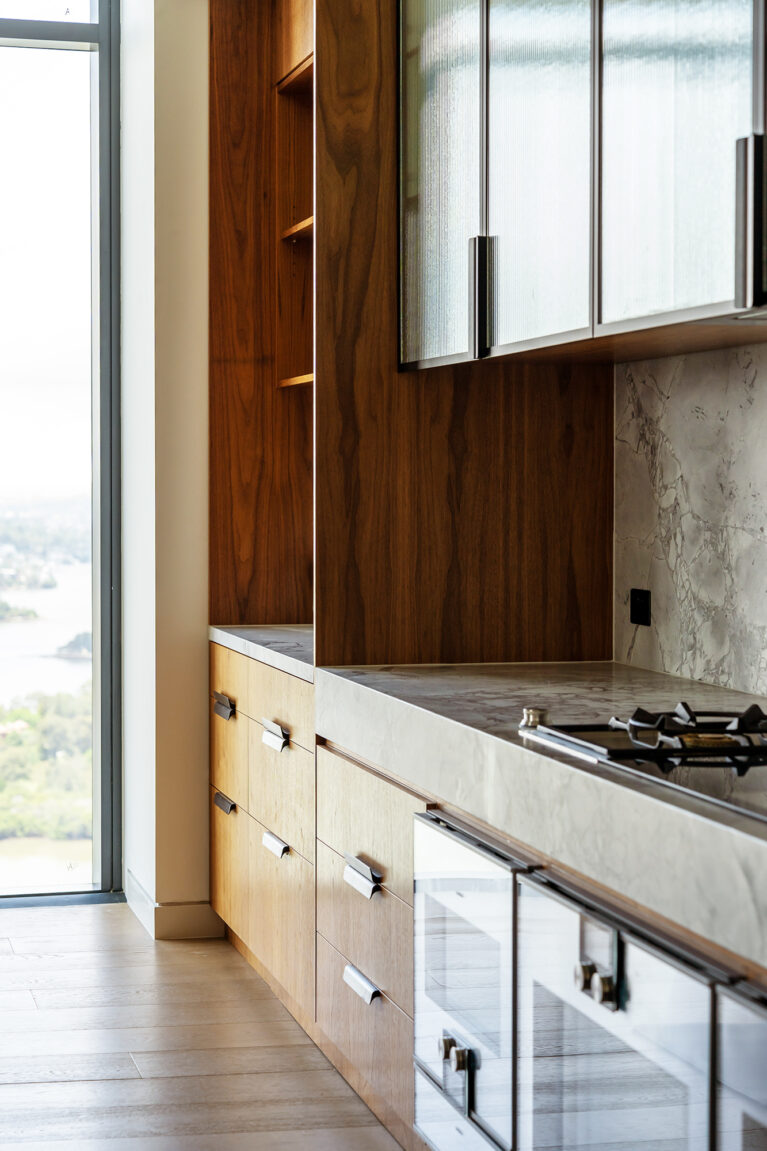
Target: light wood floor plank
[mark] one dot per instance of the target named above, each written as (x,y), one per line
(330,1139)
(63,1068)
(111,1041)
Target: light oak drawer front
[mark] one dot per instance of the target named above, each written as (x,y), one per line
(376,934)
(229,863)
(282,913)
(229,675)
(376,1037)
(281,791)
(229,740)
(282,699)
(361,814)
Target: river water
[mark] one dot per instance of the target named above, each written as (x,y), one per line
(28,661)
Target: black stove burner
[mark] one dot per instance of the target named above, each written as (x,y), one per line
(704,739)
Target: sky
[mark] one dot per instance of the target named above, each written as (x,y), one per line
(45,266)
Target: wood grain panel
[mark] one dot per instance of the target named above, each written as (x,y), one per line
(260,437)
(376,934)
(229,894)
(461,513)
(377,1038)
(282,918)
(362,814)
(296,20)
(229,738)
(283,699)
(281,792)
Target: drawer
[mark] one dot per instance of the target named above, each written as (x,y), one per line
(229,673)
(282,932)
(229,877)
(376,1037)
(361,814)
(285,699)
(376,934)
(281,791)
(229,739)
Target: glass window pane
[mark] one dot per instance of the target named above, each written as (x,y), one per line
(742,1106)
(79,11)
(676,96)
(440,172)
(540,165)
(46,604)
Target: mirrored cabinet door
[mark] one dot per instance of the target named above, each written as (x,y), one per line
(676,94)
(539,166)
(440,76)
(741,1074)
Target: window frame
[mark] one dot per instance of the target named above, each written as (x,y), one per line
(101,35)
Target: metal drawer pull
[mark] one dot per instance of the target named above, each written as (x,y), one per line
(224,706)
(226,805)
(361,876)
(274,735)
(360,985)
(277,846)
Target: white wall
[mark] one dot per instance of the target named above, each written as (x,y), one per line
(165,455)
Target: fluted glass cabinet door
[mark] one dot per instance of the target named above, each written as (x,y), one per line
(741,1074)
(439,172)
(676,94)
(539,166)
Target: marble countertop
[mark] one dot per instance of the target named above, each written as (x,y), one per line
(287,647)
(451,732)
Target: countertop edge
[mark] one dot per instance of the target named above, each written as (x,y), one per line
(262,652)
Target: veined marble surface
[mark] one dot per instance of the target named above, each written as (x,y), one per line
(288,647)
(691,515)
(451,733)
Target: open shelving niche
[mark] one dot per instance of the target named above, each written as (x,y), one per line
(294,95)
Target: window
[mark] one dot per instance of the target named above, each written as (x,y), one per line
(59,454)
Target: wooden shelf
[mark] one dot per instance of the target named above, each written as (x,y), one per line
(296,381)
(300,81)
(303,230)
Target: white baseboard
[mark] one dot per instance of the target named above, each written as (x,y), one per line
(172,920)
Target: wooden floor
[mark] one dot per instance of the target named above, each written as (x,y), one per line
(108,1040)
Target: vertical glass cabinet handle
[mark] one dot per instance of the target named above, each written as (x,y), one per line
(750,237)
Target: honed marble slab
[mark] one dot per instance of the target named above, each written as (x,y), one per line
(287,647)
(451,733)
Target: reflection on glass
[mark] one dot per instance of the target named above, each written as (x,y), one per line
(80,11)
(440,165)
(594,1078)
(540,165)
(742,1103)
(45,471)
(676,96)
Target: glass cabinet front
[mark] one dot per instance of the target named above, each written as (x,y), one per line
(677,80)
(741,1073)
(539,166)
(613,1040)
(440,78)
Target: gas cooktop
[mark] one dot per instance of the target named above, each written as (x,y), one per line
(719,755)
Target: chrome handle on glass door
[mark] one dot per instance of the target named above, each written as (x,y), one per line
(750,189)
(597,971)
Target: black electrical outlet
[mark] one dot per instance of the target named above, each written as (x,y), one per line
(641,612)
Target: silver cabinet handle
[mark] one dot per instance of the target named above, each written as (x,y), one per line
(223,706)
(750,286)
(361,876)
(274,735)
(361,986)
(227,805)
(277,846)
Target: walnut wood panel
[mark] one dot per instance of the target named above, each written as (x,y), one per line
(281,791)
(229,842)
(296,35)
(461,513)
(362,814)
(281,926)
(260,436)
(283,699)
(376,934)
(377,1037)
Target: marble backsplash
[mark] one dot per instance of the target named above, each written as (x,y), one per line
(691,515)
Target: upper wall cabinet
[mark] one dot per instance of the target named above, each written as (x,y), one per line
(574,171)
